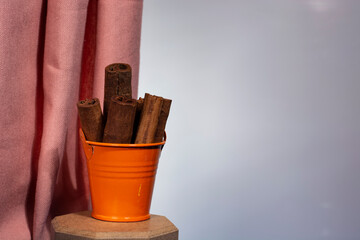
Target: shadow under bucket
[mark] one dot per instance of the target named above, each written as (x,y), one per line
(121,178)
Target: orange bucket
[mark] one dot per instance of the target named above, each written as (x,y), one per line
(121,178)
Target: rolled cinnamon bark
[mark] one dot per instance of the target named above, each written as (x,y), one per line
(120,121)
(165,109)
(139,107)
(91,119)
(149,119)
(117,82)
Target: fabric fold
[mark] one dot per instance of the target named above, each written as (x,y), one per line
(117,40)
(64,35)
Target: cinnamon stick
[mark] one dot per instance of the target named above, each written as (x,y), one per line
(91,119)
(139,107)
(149,119)
(120,120)
(164,113)
(117,82)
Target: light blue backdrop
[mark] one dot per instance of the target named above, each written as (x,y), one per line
(264,131)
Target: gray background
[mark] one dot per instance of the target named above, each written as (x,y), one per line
(264,131)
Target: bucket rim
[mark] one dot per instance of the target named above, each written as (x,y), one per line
(127,145)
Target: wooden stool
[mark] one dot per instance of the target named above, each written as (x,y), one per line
(81,226)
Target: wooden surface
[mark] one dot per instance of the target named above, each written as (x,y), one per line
(81,226)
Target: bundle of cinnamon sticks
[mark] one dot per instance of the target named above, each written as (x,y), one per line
(124,120)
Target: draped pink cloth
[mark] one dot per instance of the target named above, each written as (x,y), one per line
(53,53)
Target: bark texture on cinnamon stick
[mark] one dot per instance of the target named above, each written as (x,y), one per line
(117,82)
(120,120)
(149,119)
(164,113)
(91,119)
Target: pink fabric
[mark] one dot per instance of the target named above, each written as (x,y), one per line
(51,54)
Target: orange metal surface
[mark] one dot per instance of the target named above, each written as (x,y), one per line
(121,178)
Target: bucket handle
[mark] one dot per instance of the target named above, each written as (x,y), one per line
(88,149)
(162,146)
